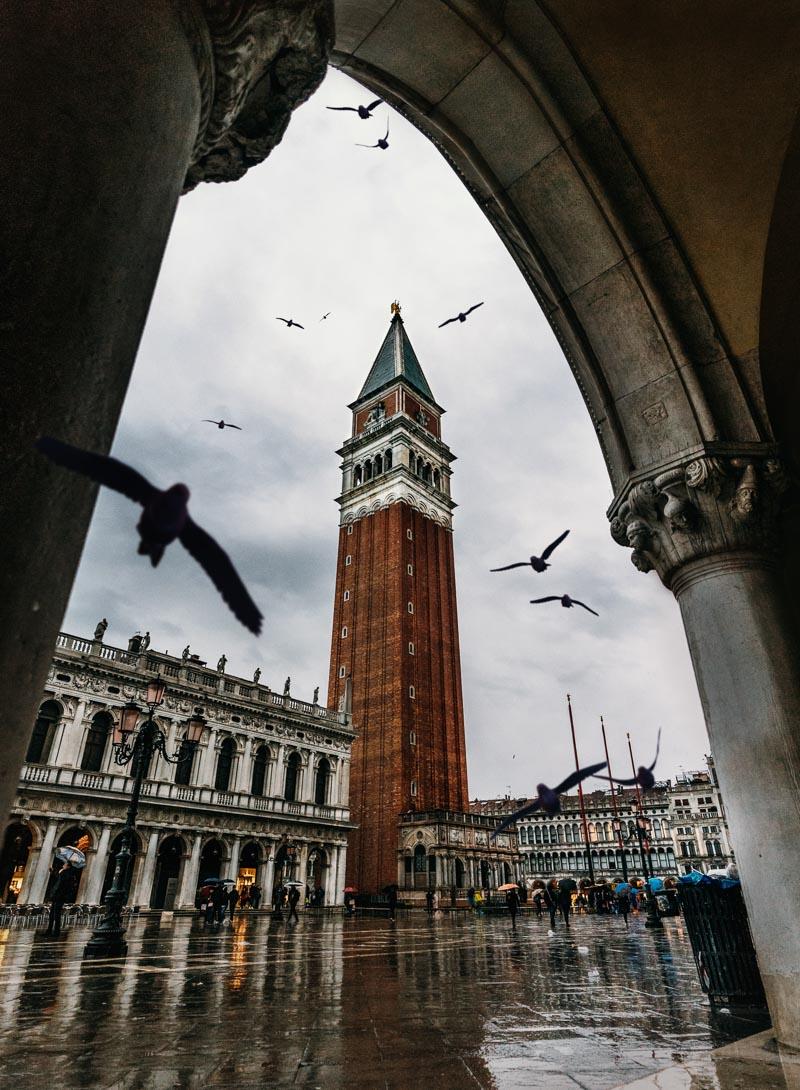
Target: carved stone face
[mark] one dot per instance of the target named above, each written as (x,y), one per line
(743,504)
(641,561)
(638,534)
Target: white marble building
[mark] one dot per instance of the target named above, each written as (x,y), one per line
(265,795)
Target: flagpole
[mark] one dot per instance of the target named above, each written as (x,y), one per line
(653,917)
(617,821)
(640,811)
(589,863)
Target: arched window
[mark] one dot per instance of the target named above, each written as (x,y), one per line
(560,834)
(224,765)
(292,777)
(523,835)
(368,470)
(387,460)
(321,782)
(436,478)
(537,834)
(183,769)
(92,760)
(378,464)
(568,833)
(260,763)
(43,730)
(358,475)
(592,833)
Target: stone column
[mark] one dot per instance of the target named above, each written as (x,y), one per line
(205,776)
(69,749)
(114,111)
(269,875)
(233,863)
(707,528)
(191,873)
(39,884)
(141,893)
(97,869)
(244,772)
(278,772)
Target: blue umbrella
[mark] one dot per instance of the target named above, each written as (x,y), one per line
(71,855)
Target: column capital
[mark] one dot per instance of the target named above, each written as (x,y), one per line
(256,60)
(710,502)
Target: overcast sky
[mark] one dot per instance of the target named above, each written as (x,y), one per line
(324,225)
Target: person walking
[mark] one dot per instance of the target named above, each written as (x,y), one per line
(294,897)
(566,887)
(537,903)
(477,902)
(512,901)
(255,897)
(233,901)
(392,895)
(622,894)
(277,902)
(429,902)
(471,897)
(550,898)
(219,902)
(64,889)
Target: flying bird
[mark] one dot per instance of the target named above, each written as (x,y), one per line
(644,776)
(383,141)
(547,799)
(165,517)
(538,563)
(290,322)
(221,424)
(565,600)
(461,316)
(364,112)
(324,316)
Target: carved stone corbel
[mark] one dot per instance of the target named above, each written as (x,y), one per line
(711,504)
(257,60)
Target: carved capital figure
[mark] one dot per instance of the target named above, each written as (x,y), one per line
(257,60)
(712,503)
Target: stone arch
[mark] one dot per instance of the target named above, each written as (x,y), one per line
(292,775)
(322,780)
(96,741)
(226,755)
(111,860)
(16,848)
(170,861)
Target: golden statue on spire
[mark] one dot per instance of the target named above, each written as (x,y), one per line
(395,307)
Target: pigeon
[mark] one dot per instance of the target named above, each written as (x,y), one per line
(324,316)
(383,141)
(364,112)
(221,424)
(165,518)
(290,322)
(548,799)
(538,563)
(644,776)
(565,600)
(461,316)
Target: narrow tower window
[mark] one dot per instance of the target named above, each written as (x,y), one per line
(414,787)
(410,569)
(412,692)
(348,560)
(410,535)
(412,737)
(341,671)
(347,596)
(344,633)
(350,529)
(411,649)
(410,607)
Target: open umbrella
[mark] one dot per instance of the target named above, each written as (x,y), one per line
(294,882)
(71,855)
(350,889)
(507,886)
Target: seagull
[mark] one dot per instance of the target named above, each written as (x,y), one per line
(364,112)
(324,316)
(290,322)
(644,776)
(536,562)
(461,316)
(565,600)
(547,799)
(165,518)
(221,424)
(383,142)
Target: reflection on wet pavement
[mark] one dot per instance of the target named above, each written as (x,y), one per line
(359,1004)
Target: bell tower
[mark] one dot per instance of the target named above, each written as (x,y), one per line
(395,625)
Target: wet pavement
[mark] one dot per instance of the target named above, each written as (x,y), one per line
(441,1004)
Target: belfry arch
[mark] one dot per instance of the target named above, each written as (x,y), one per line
(641,167)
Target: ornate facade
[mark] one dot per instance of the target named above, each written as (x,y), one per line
(264,796)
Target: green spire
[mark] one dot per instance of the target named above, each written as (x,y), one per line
(396,359)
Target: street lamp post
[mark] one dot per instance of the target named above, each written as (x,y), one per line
(616,824)
(642,831)
(108,937)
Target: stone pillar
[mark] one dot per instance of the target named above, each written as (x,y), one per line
(32,865)
(69,750)
(269,875)
(114,112)
(233,863)
(208,760)
(279,772)
(39,884)
(191,873)
(97,869)
(244,771)
(708,529)
(141,893)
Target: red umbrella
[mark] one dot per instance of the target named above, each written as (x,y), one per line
(350,889)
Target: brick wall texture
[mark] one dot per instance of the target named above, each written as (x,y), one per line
(376,652)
